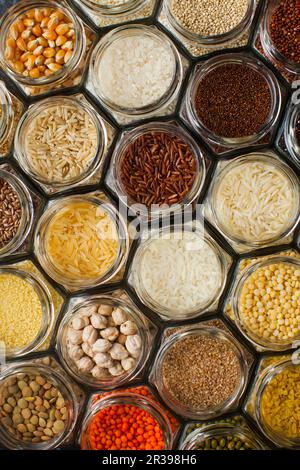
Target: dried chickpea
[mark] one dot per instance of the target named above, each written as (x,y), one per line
(38,34)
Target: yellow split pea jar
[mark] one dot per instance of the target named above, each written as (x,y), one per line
(81,241)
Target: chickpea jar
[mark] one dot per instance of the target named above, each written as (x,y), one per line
(43,46)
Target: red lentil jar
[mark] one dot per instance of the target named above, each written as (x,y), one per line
(126,420)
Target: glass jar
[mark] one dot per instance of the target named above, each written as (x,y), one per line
(178,313)
(292,141)
(26,213)
(259,341)
(10,111)
(127,138)
(105,13)
(70,74)
(45,299)
(219,144)
(109,382)
(199,45)
(160,106)
(290,69)
(62,383)
(157,375)
(266,376)
(41,234)
(219,430)
(27,122)
(129,399)
(215,206)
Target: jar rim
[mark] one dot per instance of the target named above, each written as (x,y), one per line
(171,128)
(24,126)
(11,15)
(234,59)
(268,44)
(43,225)
(286,171)
(174,403)
(289,133)
(130,398)
(136,30)
(45,299)
(267,375)
(217,429)
(59,380)
(246,274)
(26,212)
(132,312)
(164,311)
(110,10)
(6,112)
(212,40)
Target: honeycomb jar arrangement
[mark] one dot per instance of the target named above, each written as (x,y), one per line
(149,343)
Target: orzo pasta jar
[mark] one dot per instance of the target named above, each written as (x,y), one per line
(179,271)
(136,72)
(260,210)
(108,12)
(16,213)
(81,241)
(126,420)
(203,27)
(104,342)
(38,407)
(43,45)
(201,372)
(10,112)
(157,168)
(60,142)
(279,36)
(276,407)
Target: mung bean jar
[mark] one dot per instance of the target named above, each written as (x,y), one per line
(61,142)
(136,72)
(110,12)
(255,102)
(10,112)
(200,372)
(104,342)
(43,45)
(24,389)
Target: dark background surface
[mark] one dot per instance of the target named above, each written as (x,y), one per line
(4,4)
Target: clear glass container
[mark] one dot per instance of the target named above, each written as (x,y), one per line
(128,137)
(259,341)
(41,233)
(220,144)
(265,377)
(70,74)
(179,407)
(45,299)
(62,383)
(86,378)
(24,127)
(26,213)
(291,140)
(10,111)
(199,45)
(212,431)
(161,105)
(104,13)
(290,69)
(136,278)
(130,399)
(215,206)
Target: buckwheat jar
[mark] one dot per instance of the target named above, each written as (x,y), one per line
(17,30)
(109,12)
(136,72)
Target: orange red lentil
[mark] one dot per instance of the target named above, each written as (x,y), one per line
(40,42)
(125,427)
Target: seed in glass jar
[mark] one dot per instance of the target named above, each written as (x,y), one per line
(158,168)
(10,213)
(284,29)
